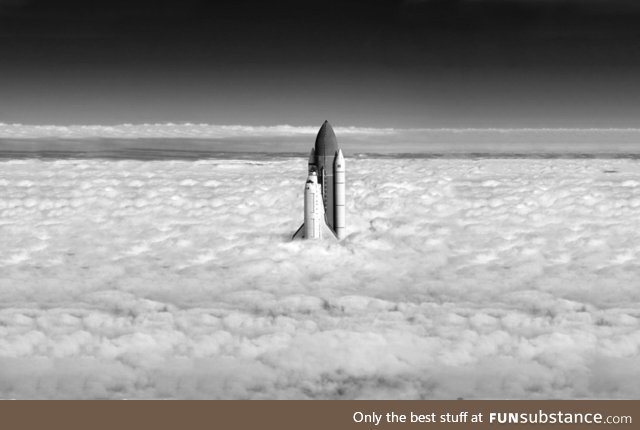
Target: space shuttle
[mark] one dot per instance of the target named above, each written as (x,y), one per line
(324,191)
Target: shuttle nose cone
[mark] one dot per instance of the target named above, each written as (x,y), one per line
(326,142)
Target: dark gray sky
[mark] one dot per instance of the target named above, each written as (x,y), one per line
(466,63)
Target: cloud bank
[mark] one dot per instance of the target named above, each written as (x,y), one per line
(169,130)
(287,138)
(458,278)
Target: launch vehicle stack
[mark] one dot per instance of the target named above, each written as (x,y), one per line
(324,192)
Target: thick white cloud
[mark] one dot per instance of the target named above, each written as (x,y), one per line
(458,278)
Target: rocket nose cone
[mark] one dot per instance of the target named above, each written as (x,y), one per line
(326,126)
(326,142)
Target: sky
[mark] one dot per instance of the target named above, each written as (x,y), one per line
(379,63)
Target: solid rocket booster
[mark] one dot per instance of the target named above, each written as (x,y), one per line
(325,187)
(313,208)
(339,170)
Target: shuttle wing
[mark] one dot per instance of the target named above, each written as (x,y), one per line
(299,234)
(324,228)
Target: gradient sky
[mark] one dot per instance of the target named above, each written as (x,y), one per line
(383,63)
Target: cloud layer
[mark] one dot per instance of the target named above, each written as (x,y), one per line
(287,138)
(169,130)
(458,278)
